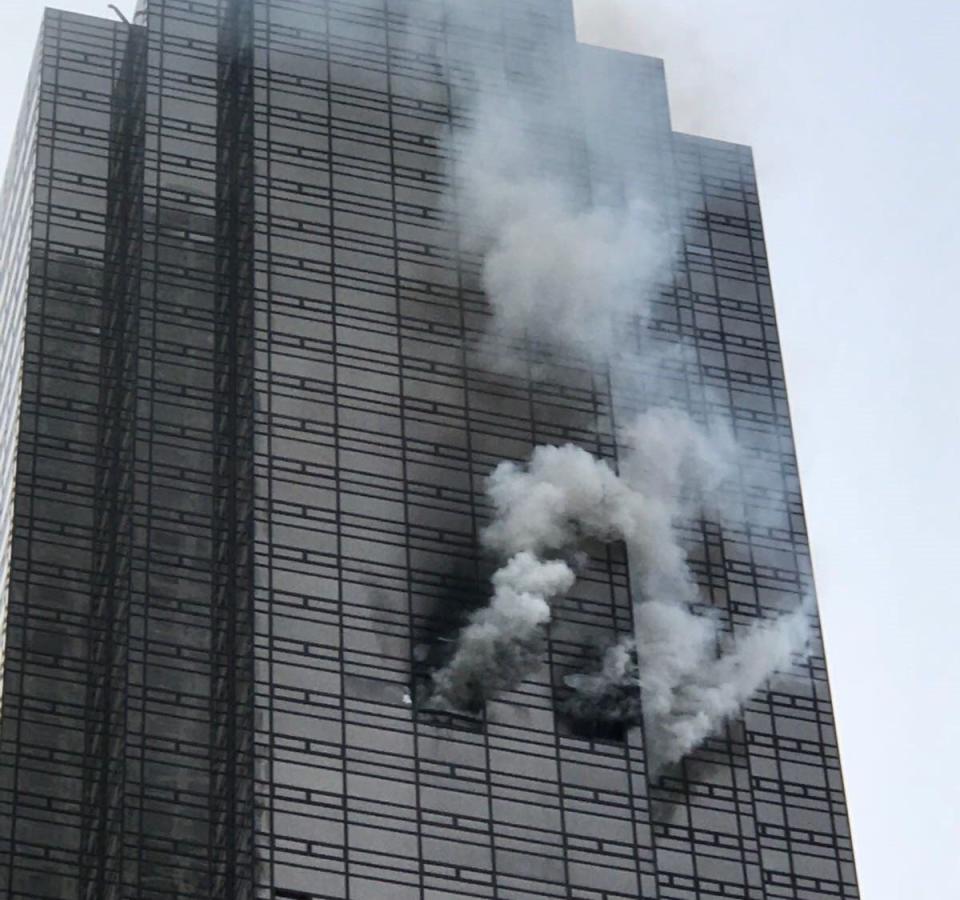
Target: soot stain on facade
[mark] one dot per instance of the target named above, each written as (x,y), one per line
(246,387)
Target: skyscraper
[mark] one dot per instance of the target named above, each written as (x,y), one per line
(253,383)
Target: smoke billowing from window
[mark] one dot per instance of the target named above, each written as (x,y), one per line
(682,677)
(504,642)
(575,219)
(672,672)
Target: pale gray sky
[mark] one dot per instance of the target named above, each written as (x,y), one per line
(851,108)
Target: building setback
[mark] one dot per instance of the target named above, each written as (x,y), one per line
(246,425)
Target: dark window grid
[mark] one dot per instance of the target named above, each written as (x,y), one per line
(173,275)
(732,750)
(190,25)
(197,237)
(744,418)
(433,360)
(180,629)
(182,209)
(731,266)
(293,492)
(289,111)
(196,117)
(304,250)
(308,613)
(744,364)
(85,80)
(724,303)
(169,701)
(59,393)
(422,235)
(779,884)
(64,382)
(829,756)
(170,156)
(755,372)
(309,231)
(430,321)
(83,40)
(303,168)
(423,213)
(171,314)
(439,515)
(303,270)
(424,257)
(362,146)
(273,838)
(584,613)
(368,175)
(69,314)
(823,844)
(183,596)
(50,480)
(57,516)
(307,329)
(57,94)
(191,381)
(374,686)
(363,72)
(573,383)
(168,476)
(770,445)
(747,325)
(553,651)
(289,92)
(89,60)
(431,393)
(428,584)
(345,26)
(15,614)
(53,507)
(61,249)
(74,211)
(420,293)
(303,430)
(724,224)
(454,542)
(174,308)
(483,385)
(196,255)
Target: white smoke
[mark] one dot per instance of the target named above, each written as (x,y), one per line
(688,691)
(561,497)
(705,690)
(672,672)
(552,260)
(572,270)
(503,642)
(684,679)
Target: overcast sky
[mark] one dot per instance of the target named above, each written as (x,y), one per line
(851,107)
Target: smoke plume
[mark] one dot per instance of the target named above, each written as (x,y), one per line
(573,252)
(560,498)
(553,261)
(671,675)
(504,642)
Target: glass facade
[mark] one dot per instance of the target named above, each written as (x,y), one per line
(16,222)
(256,422)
